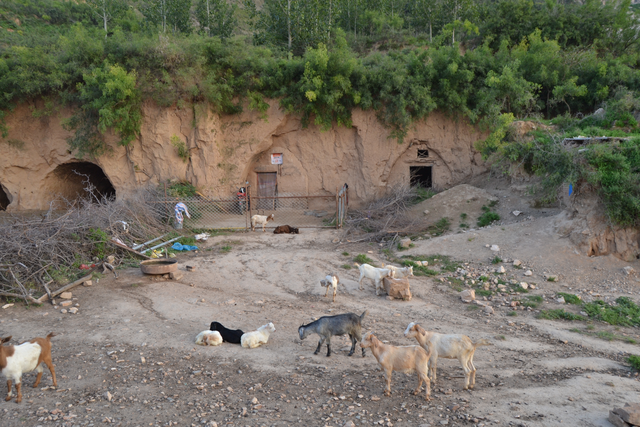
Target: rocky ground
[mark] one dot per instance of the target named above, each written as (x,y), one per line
(128,356)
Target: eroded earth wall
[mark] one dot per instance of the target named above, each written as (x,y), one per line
(225,151)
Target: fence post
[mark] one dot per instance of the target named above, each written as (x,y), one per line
(248,208)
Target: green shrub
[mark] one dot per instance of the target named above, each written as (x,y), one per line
(183,151)
(363,259)
(634,361)
(487,218)
(559,314)
(570,298)
(625,313)
(496,260)
(99,239)
(181,189)
(512,313)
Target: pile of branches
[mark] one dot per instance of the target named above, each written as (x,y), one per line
(384,219)
(41,252)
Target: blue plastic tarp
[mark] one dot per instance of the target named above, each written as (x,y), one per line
(180,247)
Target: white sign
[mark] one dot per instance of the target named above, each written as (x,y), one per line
(276,158)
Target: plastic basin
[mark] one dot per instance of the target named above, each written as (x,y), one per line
(159,266)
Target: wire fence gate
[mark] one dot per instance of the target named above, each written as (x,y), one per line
(233,212)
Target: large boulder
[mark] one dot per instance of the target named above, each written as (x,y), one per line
(397,288)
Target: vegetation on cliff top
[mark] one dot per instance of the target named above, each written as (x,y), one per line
(491,61)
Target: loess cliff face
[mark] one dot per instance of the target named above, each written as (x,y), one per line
(227,151)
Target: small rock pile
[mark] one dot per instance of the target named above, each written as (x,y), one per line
(627,416)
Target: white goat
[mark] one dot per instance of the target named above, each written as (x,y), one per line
(209,338)
(260,220)
(331,280)
(26,357)
(448,346)
(406,359)
(375,274)
(254,339)
(397,272)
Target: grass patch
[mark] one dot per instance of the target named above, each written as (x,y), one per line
(225,249)
(463,216)
(440,227)
(634,361)
(570,298)
(532,301)
(604,335)
(501,337)
(512,313)
(487,218)
(362,259)
(496,260)
(483,292)
(625,313)
(346,266)
(401,248)
(456,284)
(422,194)
(559,314)
(345,253)
(472,307)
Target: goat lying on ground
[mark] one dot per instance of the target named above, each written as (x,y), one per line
(255,339)
(399,273)
(284,229)
(260,220)
(18,359)
(331,280)
(375,274)
(209,338)
(228,335)
(342,324)
(404,359)
(450,347)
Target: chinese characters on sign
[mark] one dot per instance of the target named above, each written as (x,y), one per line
(276,158)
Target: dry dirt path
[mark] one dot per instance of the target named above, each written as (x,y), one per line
(540,374)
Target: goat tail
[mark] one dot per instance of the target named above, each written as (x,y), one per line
(481,343)
(363,314)
(51,335)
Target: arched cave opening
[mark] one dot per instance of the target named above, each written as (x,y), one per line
(76,180)
(4,199)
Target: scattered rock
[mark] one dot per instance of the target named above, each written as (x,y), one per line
(524,285)
(560,300)
(517,263)
(143,360)
(487,309)
(405,243)
(630,413)
(528,273)
(516,213)
(468,295)
(176,275)
(7,305)
(349,424)
(551,278)
(66,295)
(501,270)
(63,311)
(191,268)
(629,270)
(66,303)
(495,248)
(88,283)
(108,396)
(426,212)
(615,419)
(73,310)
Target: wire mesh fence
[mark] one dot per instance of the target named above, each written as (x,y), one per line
(296,210)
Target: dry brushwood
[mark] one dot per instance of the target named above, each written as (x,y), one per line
(385,217)
(39,253)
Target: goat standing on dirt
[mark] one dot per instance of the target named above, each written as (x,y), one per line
(330,280)
(18,359)
(375,274)
(406,359)
(450,347)
(260,220)
(342,324)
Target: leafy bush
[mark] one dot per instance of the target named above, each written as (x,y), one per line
(634,361)
(487,218)
(559,314)
(181,189)
(363,259)
(183,151)
(625,313)
(496,260)
(99,239)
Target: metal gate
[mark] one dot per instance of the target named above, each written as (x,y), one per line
(296,210)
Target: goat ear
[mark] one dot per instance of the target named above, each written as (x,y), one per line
(6,339)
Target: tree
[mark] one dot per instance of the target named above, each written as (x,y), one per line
(172,14)
(425,13)
(107,10)
(216,17)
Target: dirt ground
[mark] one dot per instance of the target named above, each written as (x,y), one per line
(128,357)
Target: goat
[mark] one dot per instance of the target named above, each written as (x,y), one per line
(404,359)
(331,280)
(255,339)
(228,335)
(284,229)
(341,324)
(450,347)
(397,272)
(375,274)
(209,338)
(260,220)
(18,359)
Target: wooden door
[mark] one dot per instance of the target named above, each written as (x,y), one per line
(267,187)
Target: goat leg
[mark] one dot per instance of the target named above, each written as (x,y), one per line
(319,345)
(353,345)
(19,392)
(387,374)
(8,391)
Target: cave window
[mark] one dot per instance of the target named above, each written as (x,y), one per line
(423,154)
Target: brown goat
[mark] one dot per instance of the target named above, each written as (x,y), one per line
(284,229)
(404,359)
(26,357)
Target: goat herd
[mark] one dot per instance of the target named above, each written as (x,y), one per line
(29,356)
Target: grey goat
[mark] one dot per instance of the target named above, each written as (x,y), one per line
(342,324)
